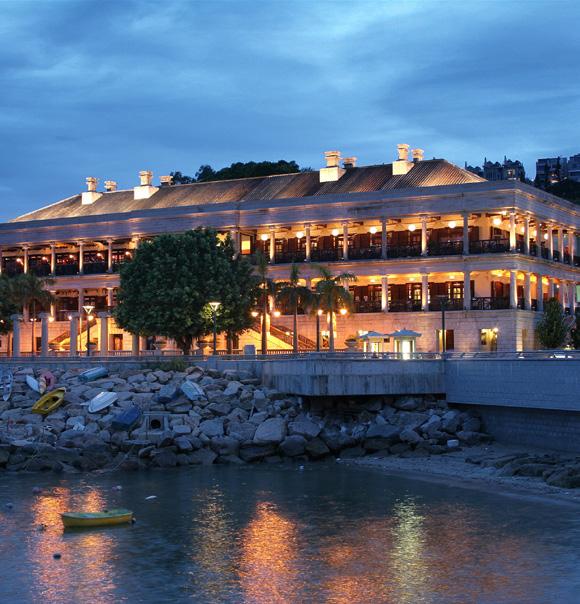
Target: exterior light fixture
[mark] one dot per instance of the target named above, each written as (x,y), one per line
(254,313)
(276,313)
(44,259)
(71,256)
(70,317)
(299,235)
(452,277)
(522,229)
(373,280)
(373,230)
(343,311)
(452,224)
(127,253)
(19,260)
(214,308)
(497,221)
(495,329)
(334,232)
(264,237)
(88,308)
(412,227)
(546,236)
(319,312)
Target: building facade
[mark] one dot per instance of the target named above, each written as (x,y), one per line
(415,233)
(508,170)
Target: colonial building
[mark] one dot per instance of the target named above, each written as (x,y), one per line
(417,234)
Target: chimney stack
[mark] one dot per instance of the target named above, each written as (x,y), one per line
(333,171)
(166,181)
(110,185)
(90,195)
(349,162)
(418,155)
(402,165)
(145,190)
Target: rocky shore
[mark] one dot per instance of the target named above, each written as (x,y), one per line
(237,421)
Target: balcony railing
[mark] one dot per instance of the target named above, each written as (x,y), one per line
(490,303)
(365,306)
(67,269)
(403,251)
(567,257)
(288,257)
(455,304)
(520,247)
(405,306)
(545,253)
(364,253)
(445,248)
(489,246)
(94,268)
(40,270)
(330,255)
(556,256)
(13,269)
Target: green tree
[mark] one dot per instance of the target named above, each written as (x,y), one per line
(576,331)
(294,295)
(7,306)
(333,296)
(267,289)
(166,288)
(553,329)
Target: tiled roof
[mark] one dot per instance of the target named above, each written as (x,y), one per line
(285,186)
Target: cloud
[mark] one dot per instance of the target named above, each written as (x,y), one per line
(109,88)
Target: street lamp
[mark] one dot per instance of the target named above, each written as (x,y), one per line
(214,308)
(89,309)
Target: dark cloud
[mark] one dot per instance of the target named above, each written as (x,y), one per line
(107,88)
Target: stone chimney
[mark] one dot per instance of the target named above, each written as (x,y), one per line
(333,171)
(145,190)
(110,185)
(418,155)
(349,162)
(166,181)
(402,165)
(90,195)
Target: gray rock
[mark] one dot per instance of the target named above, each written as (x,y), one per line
(243,431)
(225,445)
(408,403)
(337,440)
(212,427)
(232,388)
(163,458)
(352,452)
(203,457)
(135,379)
(258,418)
(472,424)
(450,421)
(167,393)
(230,459)
(381,437)
(272,431)
(317,448)
(293,445)
(304,427)
(251,452)
(183,444)
(410,436)
(181,429)
(219,408)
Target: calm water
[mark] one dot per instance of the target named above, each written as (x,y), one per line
(327,534)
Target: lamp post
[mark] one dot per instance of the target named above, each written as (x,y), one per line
(88,309)
(214,308)
(443,301)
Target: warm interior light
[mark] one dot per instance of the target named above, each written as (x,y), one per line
(546,236)
(412,227)
(127,253)
(264,237)
(373,230)
(335,232)
(254,313)
(70,317)
(276,313)
(495,329)
(373,280)
(44,259)
(452,224)
(19,260)
(534,233)
(299,235)
(412,279)
(319,312)
(452,276)
(71,256)
(522,230)
(497,221)
(343,311)
(504,213)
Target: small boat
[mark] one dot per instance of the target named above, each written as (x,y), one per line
(102,401)
(104,518)
(33,383)
(127,419)
(93,374)
(49,402)
(193,391)
(6,384)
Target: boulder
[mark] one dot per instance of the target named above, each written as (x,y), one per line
(352,452)
(243,431)
(304,427)
(163,458)
(258,418)
(408,403)
(381,437)
(317,448)
(337,440)
(565,478)
(293,445)
(181,429)
(273,431)
(450,421)
(222,408)
(232,388)
(253,452)
(225,445)
(203,457)
(167,393)
(183,444)
(410,436)
(212,427)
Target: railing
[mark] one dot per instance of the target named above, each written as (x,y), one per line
(533,249)
(288,257)
(490,303)
(330,255)
(489,246)
(12,270)
(40,270)
(67,269)
(404,251)
(405,306)
(445,248)
(93,268)
(556,255)
(364,253)
(521,305)
(545,253)
(567,257)
(365,306)
(455,304)
(520,247)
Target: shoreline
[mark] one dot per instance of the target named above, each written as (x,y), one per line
(452,469)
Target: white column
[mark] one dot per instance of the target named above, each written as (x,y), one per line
(467,290)
(16,320)
(425,291)
(104,318)
(572,296)
(272,245)
(345,240)
(527,235)
(74,333)
(528,291)
(308,242)
(572,245)
(44,317)
(135,345)
(512,231)
(81,256)
(465,233)
(81,300)
(513,289)
(53,259)
(550,242)
(109,255)
(25,259)
(109,297)
(385,293)
(53,304)
(384,252)
(539,293)
(424,236)
(561,243)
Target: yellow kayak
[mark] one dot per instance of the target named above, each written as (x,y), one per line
(49,402)
(105,518)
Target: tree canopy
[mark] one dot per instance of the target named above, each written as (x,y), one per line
(566,189)
(166,288)
(553,328)
(206,173)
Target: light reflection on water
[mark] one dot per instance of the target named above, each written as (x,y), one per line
(272,535)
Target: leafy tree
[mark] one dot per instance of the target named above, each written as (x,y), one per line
(333,296)
(267,288)
(566,189)
(294,295)
(204,174)
(7,306)
(178,178)
(553,329)
(576,331)
(166,288)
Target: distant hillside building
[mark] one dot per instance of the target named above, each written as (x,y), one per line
(508,170)
(574,167)
(551,170)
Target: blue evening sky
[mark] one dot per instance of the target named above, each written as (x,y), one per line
(109,87)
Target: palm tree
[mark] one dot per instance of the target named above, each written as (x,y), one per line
(28,290)
(333,295)
(293,295)
(267,288)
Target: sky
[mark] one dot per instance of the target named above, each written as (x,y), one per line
(106,88)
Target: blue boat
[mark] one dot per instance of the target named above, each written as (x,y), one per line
(192,391)
(127,419)
(93,374)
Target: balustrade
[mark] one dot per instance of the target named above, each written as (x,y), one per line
(489,303)
(489,246)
